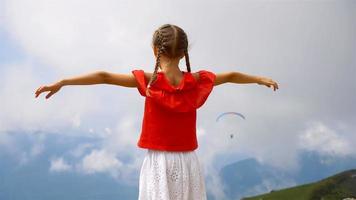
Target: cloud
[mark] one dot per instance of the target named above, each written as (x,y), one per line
(59,165)
(101,161)
(214,184)
(58,33)
(115,152)
(36,149)
(80,149)
(323,139)
(20,110)
(23,147)
(119,148)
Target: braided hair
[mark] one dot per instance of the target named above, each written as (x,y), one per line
(171,42)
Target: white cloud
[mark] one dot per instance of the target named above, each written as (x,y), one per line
(213,182)
(26,152)
(321,138)
(117,153)
(20,110)
(101,161)
(126,133)
(80,149)
(76,121)
(108,130)
(59,165)
(37,149)
(121,141)
(58,33)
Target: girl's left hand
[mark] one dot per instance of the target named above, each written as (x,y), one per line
(51,88)
(268,82)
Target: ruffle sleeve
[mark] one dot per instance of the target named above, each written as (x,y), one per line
(141,81)
(192,96)
(204,86)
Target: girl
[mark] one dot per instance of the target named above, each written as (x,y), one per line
(170,169)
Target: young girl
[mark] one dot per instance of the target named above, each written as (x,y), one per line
(170,169)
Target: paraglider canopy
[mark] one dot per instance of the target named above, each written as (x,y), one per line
(230,113)
(227,113)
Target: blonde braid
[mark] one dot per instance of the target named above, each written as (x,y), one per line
(158,63)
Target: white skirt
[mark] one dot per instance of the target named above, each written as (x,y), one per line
(169,175)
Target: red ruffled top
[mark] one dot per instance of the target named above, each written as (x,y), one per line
(169,121)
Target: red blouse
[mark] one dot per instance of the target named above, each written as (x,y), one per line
(169,121)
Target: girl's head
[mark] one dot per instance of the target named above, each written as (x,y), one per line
(171,42)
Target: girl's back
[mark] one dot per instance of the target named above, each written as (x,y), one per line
(172,109)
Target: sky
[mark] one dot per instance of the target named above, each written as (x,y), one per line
(307,47)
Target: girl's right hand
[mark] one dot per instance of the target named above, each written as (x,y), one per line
(268,82)
(52,88)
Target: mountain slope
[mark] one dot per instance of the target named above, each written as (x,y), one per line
(339,186)
(249,177)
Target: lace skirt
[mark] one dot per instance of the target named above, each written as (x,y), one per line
(168,175)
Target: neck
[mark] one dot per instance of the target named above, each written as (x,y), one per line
(170,66)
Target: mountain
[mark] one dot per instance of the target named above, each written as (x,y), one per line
(248,177)
(339,186)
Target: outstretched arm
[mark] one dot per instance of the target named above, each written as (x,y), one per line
(238,77)
(98,77)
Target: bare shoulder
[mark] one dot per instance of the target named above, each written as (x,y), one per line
(196,75)
(148,76)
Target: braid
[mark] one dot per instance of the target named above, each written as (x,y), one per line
(187,59)
(158,63)
(186,55)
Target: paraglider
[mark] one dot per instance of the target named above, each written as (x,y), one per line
(230,113)
(234,113)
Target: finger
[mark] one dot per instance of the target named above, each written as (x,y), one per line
(42,89)
(49,95)
(38,89)
(38,92)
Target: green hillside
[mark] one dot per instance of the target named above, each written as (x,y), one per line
(336,187)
